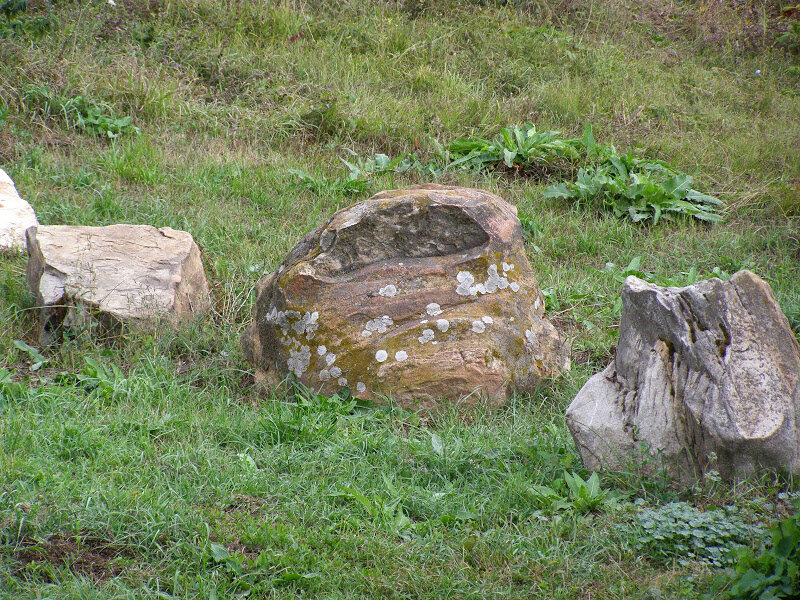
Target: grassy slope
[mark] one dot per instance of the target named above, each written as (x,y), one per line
(151,468)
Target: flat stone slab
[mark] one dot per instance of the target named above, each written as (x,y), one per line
(16,216)
(115,274)
(706,376)
(423,294)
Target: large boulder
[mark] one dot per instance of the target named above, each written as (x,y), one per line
(707,375)
(16,216)
(418,294)
(117,274)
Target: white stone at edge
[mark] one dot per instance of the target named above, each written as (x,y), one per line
(16,216)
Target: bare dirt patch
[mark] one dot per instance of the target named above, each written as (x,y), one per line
(90,556)
(245,503)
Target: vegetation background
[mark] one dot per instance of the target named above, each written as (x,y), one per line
(148,466)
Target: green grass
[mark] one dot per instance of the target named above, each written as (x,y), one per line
(175,477)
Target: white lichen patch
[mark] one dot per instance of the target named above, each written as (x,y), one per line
(493,283)
(478,326)
(360,387)
(378,325)
(442,325)
(303,323)
(433,309)
(488,320)
(322,350)
(330,358)
(299,360)
(530,336)
(381,355)
(427,336)
(400,355)
(281,318)
(342,381)
(306,324)
(388,291)
(465,281)
(536,304)
(336,372)
(366,333)
(514,286)
(467,286)
(313,322)
(324,375)
(507,267)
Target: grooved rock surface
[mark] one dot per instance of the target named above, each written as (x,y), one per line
(16,216)
(420,294)
(114,274)
(709,374)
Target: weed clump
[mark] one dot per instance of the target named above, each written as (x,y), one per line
(639,190)
(79,112)
(630,187)
(772,573)
(678,531)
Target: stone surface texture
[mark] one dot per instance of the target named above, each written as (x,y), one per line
(16,216)
(120,273)
(419,294)
(709,374)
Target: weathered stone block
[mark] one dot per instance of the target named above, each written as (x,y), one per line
(419,294)
(115,274)
(16,216)
(707,374)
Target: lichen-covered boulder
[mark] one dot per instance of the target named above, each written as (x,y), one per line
(133,274)
(419,294)
(708,376)
(16,216)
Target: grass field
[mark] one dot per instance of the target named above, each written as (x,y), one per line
(149,466)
